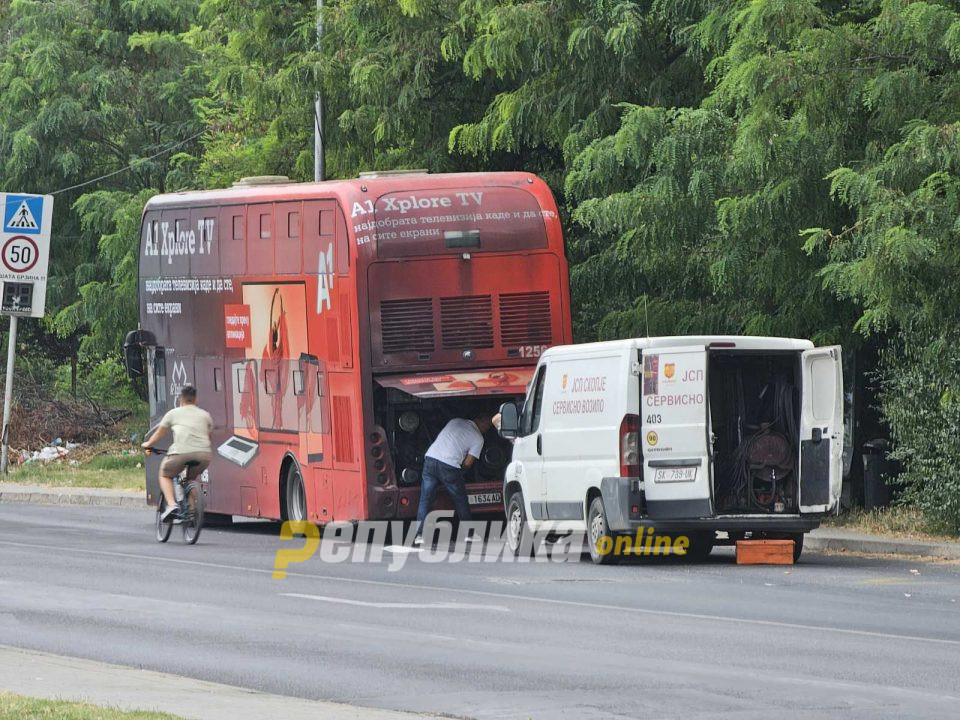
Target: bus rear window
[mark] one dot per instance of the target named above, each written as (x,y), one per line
(439,222)
(461,238)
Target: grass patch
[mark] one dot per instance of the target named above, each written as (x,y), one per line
(78,476)
(131,461)
(894,521)
(108,465)
(18,707)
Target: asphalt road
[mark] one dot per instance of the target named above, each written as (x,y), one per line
(831,637)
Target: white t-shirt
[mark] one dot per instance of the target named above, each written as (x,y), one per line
(191,428)
(457,440)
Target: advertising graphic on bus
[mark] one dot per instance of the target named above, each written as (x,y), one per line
(332,329)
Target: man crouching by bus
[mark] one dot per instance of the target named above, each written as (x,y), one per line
(191,426)
(455,450)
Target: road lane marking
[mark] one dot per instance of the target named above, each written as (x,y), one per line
(900,581)
(399,605)
(507,596)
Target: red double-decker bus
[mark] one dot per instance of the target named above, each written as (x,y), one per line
(333,328)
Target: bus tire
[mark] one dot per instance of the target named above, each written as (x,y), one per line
(296,495)
(597,529)
(518,529)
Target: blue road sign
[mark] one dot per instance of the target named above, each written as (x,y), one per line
(23,214)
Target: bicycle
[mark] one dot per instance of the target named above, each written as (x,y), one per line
(190,500)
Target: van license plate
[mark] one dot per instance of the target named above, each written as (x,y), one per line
(681,474)
(485,498)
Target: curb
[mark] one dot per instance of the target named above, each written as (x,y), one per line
(66,496)
(58,677)
(913,548)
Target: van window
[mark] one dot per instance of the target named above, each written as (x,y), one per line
(530,419)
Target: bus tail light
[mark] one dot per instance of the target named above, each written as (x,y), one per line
(630,446)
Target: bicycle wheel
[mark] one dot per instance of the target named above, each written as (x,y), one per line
(163,528)
(193,517)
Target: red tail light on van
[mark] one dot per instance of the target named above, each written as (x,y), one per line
(630,446)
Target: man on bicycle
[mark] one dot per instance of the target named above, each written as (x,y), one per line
(191,426)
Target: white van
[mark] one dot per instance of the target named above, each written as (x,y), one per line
(687,435)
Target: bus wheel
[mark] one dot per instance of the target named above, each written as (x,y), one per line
(598,532)
(518,531)
(296,495)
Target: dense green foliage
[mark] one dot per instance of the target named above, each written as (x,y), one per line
(784,167)
(90,87)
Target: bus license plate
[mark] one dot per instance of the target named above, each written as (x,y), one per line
(485,498)
(681,474)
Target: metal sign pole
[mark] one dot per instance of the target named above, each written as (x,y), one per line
(319,161)
(8,392)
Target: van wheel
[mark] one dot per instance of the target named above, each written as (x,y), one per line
(797,545)
(597,529)
(701,545)
(518,530)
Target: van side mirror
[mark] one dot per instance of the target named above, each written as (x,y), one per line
(133,355)
(509,421)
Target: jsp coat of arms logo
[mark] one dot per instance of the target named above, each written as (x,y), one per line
(669,370)
(563,383)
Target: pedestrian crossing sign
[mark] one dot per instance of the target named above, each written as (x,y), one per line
(25,225)
(23,214)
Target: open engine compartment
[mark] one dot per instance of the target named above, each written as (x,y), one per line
(755,420)
(413,424)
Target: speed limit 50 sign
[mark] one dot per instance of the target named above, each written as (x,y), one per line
(24,252)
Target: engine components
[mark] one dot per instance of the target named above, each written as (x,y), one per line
(753,413)
(770,460)
(408,421)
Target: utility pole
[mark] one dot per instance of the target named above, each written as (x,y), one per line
(319,171)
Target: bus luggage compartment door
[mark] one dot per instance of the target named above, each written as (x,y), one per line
(674,433)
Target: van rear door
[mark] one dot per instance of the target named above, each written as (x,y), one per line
(821,430)
(674,431)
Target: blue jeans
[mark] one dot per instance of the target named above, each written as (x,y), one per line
(436,473)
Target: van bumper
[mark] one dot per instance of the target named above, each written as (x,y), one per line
(622,494)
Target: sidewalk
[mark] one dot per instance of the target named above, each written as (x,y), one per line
(830,538)
(55,677)
(45,495)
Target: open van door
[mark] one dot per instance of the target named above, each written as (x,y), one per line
(821,430)
(674,432)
